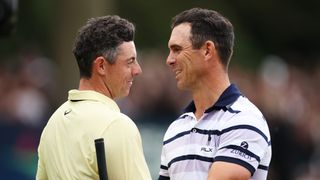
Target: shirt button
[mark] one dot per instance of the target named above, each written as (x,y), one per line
(194,130)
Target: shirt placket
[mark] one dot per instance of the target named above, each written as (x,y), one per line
(193,134)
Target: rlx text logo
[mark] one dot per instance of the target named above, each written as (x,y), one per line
(206,149)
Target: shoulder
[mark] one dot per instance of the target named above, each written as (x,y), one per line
(124,121)
(249,117)
(248,113)
(178,126)
(98,111)
(122,133)
(243,104)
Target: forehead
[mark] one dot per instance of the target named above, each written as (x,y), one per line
(127,49)
(180,35)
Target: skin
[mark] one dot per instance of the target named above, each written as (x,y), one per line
(201,72)
(114,80)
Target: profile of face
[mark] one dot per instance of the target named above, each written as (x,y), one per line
(185,61)
(120,75)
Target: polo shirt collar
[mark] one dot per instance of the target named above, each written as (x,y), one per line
(228,97)
(89,95)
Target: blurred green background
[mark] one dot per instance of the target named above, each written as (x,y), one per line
(275,64)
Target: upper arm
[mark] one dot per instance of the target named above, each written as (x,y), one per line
(242,148)
(124,153)
(165,152)
(163,173)
(41,170)
(225,171)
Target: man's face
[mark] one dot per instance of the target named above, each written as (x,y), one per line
(121,73)
(184,61)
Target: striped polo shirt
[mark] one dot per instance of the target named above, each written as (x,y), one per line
(232,130)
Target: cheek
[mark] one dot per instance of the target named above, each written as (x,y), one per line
(188,59)
(123,76)
(116,78)
(185,55)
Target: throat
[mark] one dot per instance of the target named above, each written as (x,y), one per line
(199,114)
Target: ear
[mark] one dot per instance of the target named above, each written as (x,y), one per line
(99,65)
(209,50)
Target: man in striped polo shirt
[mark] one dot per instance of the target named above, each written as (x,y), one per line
(221,134)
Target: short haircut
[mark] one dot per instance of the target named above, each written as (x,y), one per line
(208,25)
(100,36)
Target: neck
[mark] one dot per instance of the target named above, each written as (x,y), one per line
(94,85)
(208,93)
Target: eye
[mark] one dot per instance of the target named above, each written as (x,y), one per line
(131,60)
(176,49)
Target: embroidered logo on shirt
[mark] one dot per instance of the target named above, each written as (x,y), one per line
(67,111)
(207,149)
(244,145)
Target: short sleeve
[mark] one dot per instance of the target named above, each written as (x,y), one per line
(244,141)
(163,173)
(41,170)
(124,152)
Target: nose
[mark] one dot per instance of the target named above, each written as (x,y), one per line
(136,70)
(171,59)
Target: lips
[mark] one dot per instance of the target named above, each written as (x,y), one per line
(177,73)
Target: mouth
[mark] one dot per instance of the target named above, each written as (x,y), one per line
(177,72)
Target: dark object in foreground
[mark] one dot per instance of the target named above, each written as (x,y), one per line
(101,159)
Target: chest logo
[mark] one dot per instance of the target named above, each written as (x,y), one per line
(67,111)
(207,149)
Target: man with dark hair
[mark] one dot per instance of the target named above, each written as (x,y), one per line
(221,135)
(106,55)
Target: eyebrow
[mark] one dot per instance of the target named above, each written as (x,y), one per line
(130,58)
(174,46)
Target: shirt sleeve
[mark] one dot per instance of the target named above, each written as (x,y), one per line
(244,143)
(41,170)
(163,174)
(124,152)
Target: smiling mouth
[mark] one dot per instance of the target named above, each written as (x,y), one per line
(177,72)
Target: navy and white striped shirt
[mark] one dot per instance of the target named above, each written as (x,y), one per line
(232,130)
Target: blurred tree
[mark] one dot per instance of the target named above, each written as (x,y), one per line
(33,26)
(288,28)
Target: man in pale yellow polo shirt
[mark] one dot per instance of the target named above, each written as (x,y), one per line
(107,60)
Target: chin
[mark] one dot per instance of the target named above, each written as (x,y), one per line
(125,94)
(180,86)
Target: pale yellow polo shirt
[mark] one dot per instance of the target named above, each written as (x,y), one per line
(67,150)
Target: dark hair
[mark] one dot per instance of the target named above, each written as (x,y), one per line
(208,25)
(100,37)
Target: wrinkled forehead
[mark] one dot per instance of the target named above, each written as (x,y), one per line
(180,35)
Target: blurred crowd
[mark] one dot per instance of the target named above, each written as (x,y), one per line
(286,94)
(26,89)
